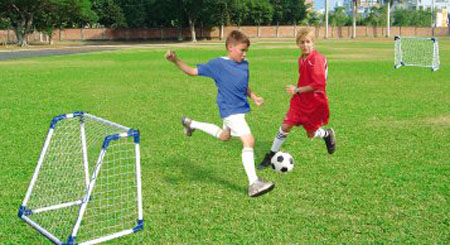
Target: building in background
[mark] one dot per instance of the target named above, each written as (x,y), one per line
(442,18)
(367,4)
(441,7)
(363,8)
(423,4)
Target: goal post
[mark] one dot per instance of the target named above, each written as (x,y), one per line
(416,51)
(86,187)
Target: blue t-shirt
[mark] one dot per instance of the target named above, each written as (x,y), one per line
(232,82)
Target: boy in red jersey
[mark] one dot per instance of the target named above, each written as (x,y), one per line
(309,103)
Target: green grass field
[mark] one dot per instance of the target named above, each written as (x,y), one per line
(388,181)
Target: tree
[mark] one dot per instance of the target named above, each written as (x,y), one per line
(64,13)
(421,18)
(402,17)
(4,23)
(47,20)
(164,13)
(326,19)
(21,14)
(191,10)
(278,12)
(27,15)
(135,12)
(295,10)
(339,18)
(109,13)
(313,18)
(383,15)
(374,19)
(220,13)
(78,12)
(240,11)
(261,12)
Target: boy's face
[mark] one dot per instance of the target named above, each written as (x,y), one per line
(237,52)
(306,45)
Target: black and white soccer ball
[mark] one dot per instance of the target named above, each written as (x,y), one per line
(282,162)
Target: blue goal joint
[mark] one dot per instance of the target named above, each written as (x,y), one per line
(139,227)
(24,211)
(60,117)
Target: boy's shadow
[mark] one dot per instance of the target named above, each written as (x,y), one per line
(192,172)
(261,149)
(196,172)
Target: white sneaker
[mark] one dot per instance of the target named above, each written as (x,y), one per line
(260,187)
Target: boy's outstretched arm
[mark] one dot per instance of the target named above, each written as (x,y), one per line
(258,100)
(172,57)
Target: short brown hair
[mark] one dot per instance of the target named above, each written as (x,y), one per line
(305,32)
(236,37)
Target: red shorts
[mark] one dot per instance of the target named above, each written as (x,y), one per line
(311,121)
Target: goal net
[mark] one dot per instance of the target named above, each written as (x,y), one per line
(86,187)
(417,51)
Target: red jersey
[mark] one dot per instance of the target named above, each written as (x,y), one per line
(310,109)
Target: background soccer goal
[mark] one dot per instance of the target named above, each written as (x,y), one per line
(416,51)
(86,187)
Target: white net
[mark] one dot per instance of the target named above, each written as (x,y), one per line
(416,51)
(62,181)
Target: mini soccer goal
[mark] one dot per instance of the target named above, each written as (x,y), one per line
(86,187)
(417,51)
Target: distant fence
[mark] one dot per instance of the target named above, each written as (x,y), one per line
(107,34)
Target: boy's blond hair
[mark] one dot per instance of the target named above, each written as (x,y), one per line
(236,37)
(305,32)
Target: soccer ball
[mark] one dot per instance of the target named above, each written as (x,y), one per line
(282,162)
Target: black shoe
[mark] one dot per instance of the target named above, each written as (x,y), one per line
(187,126)
(330,141)
(266,162)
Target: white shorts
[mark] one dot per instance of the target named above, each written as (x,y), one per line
(237,125)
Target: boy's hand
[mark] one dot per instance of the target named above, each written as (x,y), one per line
(171,56)
(258,100)
(290,89)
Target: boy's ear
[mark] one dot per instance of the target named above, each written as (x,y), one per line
(229,46)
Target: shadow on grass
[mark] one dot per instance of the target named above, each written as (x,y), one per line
(261,149)
(192,172)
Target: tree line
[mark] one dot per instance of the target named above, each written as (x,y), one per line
(377,16)
(26,16)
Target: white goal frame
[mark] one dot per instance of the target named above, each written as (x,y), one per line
(110,146)
(417,51)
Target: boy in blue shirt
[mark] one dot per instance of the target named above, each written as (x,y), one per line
(231,77)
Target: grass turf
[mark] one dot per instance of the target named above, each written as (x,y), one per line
(387,182)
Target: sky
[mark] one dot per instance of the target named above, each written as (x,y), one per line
(320,4)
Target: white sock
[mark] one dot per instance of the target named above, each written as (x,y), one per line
(321,133)
(208,128)
(248,159)
(279,140)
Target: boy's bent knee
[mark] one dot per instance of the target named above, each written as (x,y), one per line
(248,140)
(225,135)
(224,138)
(310,134)
(286,127)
